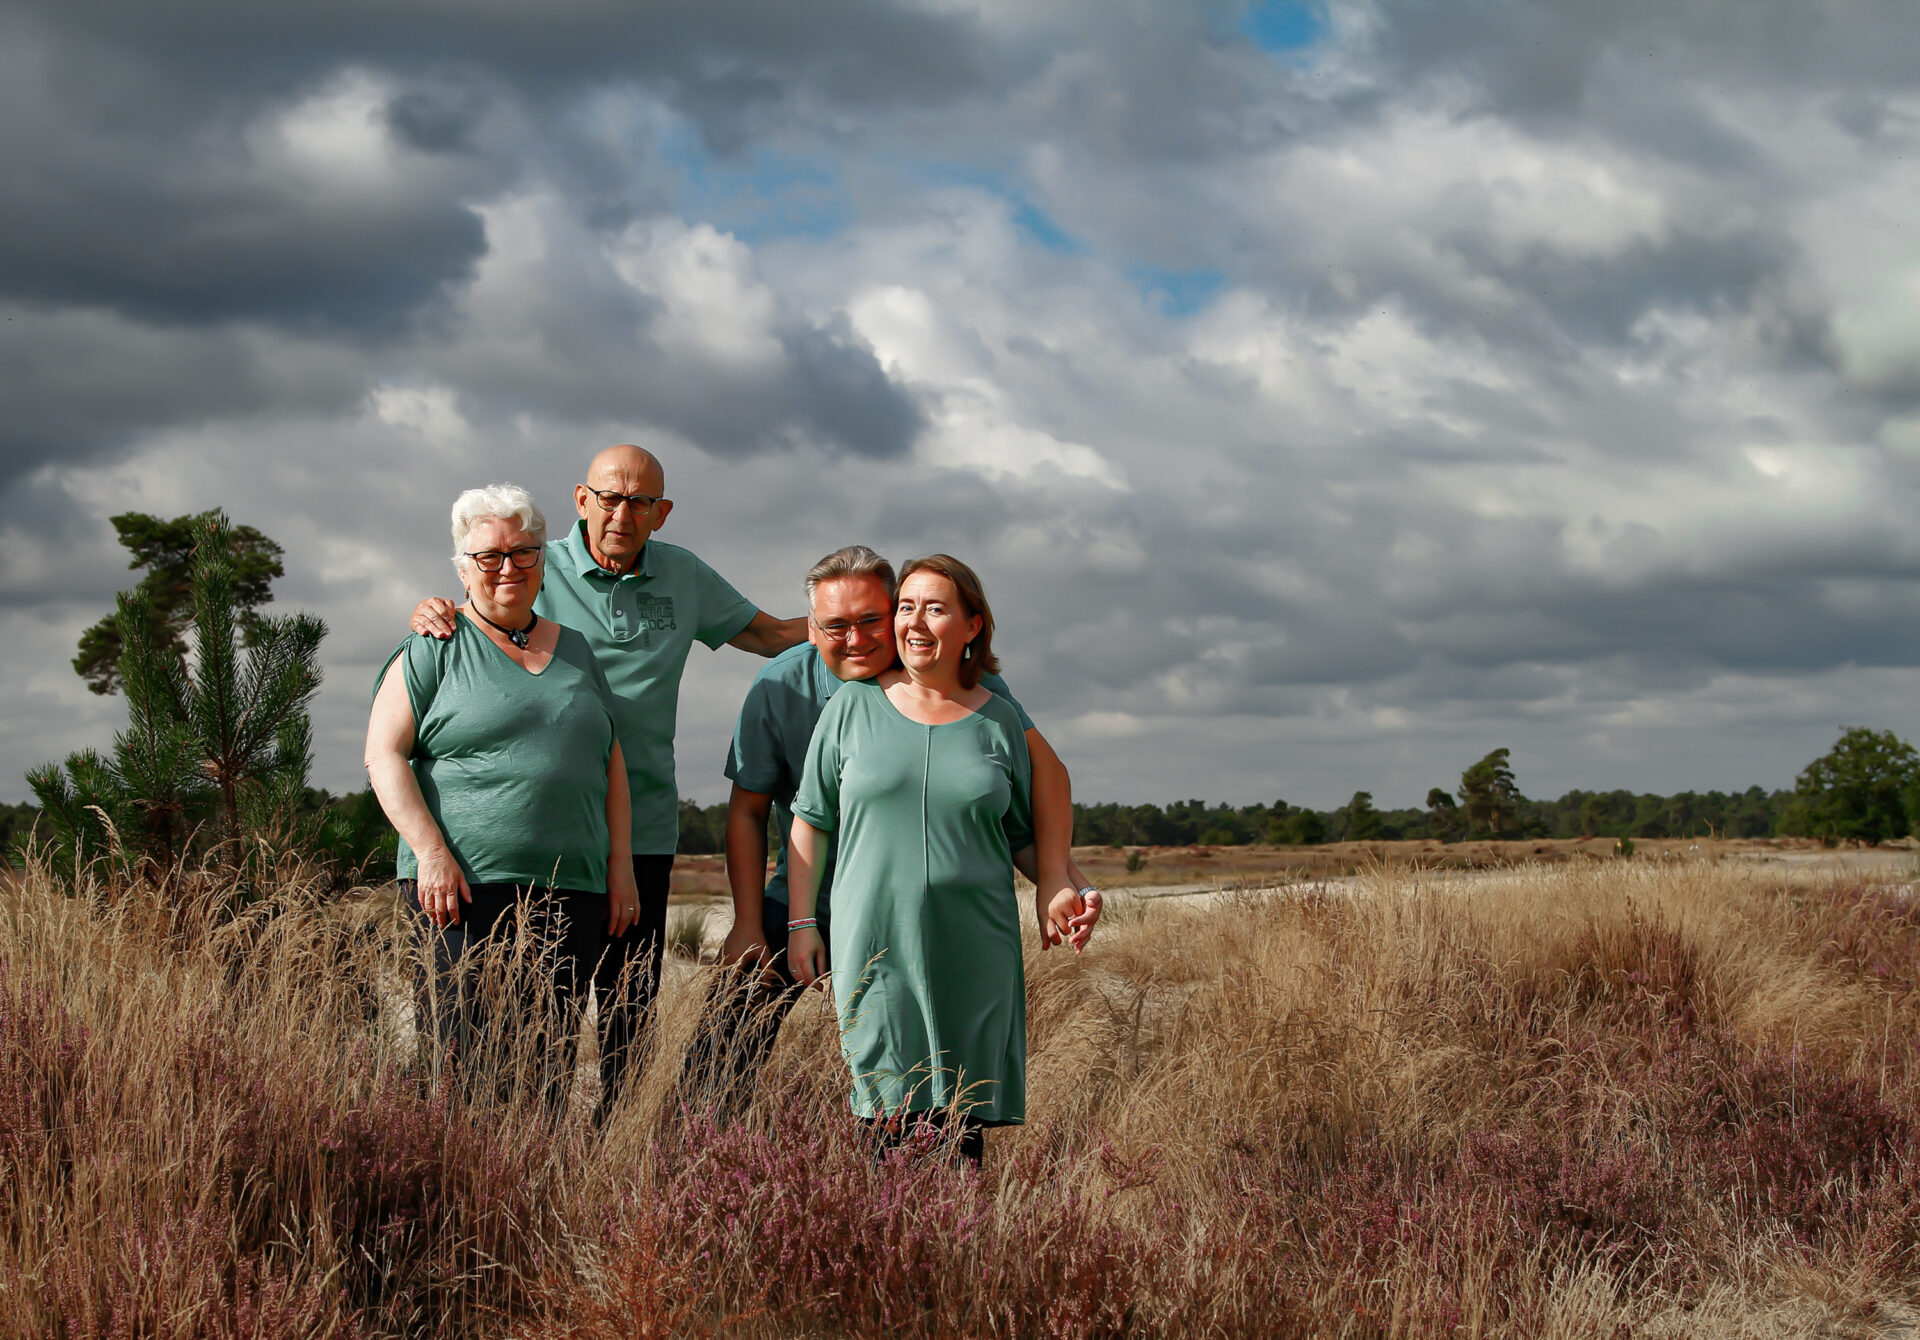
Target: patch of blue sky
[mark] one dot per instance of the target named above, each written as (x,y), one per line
(1177,292)
(1284,27)
(763,195)
(1033,220)
(1043,228)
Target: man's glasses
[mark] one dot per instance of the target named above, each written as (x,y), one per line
(839,630)
(612,498)
(489,560)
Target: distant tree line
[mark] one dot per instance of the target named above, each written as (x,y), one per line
(1754,812)
(1865,789)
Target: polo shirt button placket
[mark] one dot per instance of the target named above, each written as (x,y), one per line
(621,620)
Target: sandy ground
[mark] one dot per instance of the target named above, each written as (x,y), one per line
(1200,875)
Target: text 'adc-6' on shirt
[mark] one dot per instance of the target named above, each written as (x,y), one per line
(512,765)
(769,750)
(641,627)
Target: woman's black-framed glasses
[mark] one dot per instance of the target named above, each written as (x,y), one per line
(489,560)
(612,498)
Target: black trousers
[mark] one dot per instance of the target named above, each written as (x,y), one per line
(627,979)
(561,933)
(917,1132)
(741,1024)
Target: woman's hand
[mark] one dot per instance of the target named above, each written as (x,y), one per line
(1067,916)
(623,898)
(807,955)
(1080,927)
(441,886)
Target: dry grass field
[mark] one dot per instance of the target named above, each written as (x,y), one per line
(704,878)
(1672,1096)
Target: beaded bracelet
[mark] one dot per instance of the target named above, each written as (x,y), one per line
(1089,889)
(804,923)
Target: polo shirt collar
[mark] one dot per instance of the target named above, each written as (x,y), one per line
(588,566)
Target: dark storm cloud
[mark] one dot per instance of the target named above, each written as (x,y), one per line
(81,384)
(728,62)
(168,202)
(131,188)
(1561,61)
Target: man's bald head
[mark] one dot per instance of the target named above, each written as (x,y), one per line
(633,479)
(628,469)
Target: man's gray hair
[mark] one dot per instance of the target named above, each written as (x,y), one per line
(495,502)
(856,560)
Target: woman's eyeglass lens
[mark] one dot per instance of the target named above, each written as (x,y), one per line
(489,560)
(610,499)
(840,629)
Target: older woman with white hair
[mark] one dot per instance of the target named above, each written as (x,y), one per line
(494,755)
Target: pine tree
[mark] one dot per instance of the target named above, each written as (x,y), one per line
(249,711)
(218,737)
(167,550)
(1488,793)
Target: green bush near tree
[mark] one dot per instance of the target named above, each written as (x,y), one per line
(1865,789)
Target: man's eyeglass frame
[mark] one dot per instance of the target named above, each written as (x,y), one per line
(837,631)
(490,560)
(638,502)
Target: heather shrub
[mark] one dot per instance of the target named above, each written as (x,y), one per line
(1664,1098)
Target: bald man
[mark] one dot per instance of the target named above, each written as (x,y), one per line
(640,602)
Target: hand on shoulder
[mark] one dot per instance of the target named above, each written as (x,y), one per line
(433,617)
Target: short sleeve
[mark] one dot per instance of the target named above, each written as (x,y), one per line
(818,799)
(421,659)
(998,688)
(754,758)
(724,612)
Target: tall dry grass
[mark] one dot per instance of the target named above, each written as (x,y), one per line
(1628,1098)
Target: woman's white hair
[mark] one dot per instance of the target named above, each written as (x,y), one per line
(495,502)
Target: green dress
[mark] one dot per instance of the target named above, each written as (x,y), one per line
(926,930)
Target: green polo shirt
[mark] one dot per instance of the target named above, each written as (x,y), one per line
(641,627)
(769,750)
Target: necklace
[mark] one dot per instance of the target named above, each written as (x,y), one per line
(517,636)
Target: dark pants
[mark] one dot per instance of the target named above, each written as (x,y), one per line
(556,934)
(628,976)
(741,1024)
(919,1132)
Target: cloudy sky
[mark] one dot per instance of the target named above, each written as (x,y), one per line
(1328,393)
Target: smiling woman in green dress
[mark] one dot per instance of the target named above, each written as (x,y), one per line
(493,753)
(924,775)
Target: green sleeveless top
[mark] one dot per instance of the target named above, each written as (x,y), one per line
(513,766)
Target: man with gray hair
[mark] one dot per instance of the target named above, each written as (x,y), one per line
(850,636)
(640,603)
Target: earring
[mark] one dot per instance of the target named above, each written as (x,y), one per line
(966,652)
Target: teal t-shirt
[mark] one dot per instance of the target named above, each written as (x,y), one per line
(641,627)
(513,766)
(769,749)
